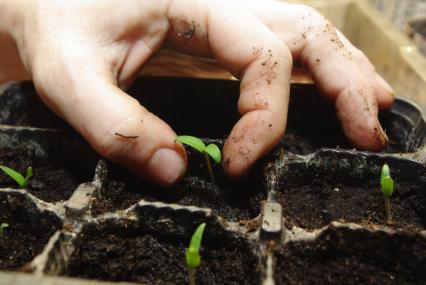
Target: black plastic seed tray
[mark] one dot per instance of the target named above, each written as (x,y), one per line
(310,212)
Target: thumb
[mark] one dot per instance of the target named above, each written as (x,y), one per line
(117,126)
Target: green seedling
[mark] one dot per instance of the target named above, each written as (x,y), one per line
(211,150)
(192,255)
(18,177)
(3,226)
(387,187)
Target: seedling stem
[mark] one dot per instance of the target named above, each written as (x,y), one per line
(192,255)
(387,187)
(209,151)
(388,210)
(209,167)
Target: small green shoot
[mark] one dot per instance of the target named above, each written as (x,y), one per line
(192,255)
(387,187)
(211,150)
(3,226)
(18,177)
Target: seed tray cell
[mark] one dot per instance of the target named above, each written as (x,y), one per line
(232,201)
(30,228)
(60,162)
(345,186)
(152,250)
(342,254)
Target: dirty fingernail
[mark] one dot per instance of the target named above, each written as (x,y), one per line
(385,85)
(167,166)
(382,137)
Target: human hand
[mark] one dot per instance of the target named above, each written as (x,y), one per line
(82,54)
(341,71)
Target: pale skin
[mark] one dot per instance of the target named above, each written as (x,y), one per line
(83,54)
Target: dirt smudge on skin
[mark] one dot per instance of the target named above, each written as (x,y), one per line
(257,50)
(125,137)
(260,101)
(227,162)
(244,153)
(184,29)
(381,137)
(270,65)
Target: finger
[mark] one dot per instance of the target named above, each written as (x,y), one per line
(300,25)
(314,41)
(115,124)
(242,44)
(341,79)
(384,92)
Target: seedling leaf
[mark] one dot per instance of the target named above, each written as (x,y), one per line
(194,142)
(28,173)
(3,226)
(214,152)
(15,176)
(385,172)
(192,255)
(387,186)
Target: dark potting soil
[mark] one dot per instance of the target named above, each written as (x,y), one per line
(21,106)
(355,257)
(232,201)
(313,124)
(130,254)
(318,203)
(27,234)
(49,183)
(302,141)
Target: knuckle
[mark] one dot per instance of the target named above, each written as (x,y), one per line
(283,52)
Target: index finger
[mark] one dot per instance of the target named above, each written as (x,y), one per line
(242,44)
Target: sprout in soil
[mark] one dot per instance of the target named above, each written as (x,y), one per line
(211,150)
(192,255)
(3,226)
(387,187)
(18,177)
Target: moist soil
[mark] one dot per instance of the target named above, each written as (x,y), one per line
(49,183)
(22,107)
(232,201)
(305,140)
(27,234)
(356,257)
(314,205)
(313,124)
(130,254)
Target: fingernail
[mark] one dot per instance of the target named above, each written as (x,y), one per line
(385,85)
(167,166)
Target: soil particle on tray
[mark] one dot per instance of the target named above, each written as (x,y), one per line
(233,201)
(131,254)
(49,183)
(28,232)
(356,257)
(316,204)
